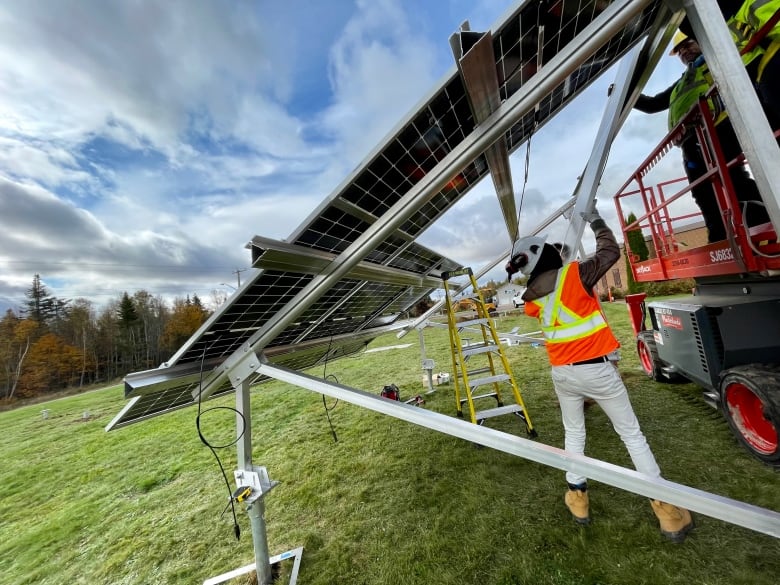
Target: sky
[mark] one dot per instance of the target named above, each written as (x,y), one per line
(144,143)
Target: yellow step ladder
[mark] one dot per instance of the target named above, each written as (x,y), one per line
(481,366)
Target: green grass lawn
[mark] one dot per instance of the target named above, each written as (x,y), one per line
(388,503)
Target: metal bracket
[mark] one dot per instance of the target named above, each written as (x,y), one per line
(256,478)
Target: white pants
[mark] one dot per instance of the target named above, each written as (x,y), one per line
(602,383)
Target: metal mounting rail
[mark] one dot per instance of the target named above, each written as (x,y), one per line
(733,511)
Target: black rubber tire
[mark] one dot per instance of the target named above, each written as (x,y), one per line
(750,402)
(651,363)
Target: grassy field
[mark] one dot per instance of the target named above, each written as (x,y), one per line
(388,503)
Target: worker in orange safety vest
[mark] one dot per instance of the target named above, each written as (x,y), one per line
(578,340)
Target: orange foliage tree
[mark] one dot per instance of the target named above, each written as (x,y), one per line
(52,364)
(186,317)
(16,336)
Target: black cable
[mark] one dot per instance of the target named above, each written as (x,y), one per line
(525,182)
(324,404)
(327,410)
(213,448)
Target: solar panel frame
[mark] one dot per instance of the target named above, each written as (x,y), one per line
(421,141)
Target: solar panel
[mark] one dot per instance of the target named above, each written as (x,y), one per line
(279,310)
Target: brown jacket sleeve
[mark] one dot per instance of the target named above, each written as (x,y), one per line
(606,255)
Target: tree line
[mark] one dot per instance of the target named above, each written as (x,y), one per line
(56,343)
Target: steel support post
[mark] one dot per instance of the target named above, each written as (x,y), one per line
(257,479)
(256,508)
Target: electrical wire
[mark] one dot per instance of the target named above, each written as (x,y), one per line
(213,448)
(325,376)
(328,409)
(526,168)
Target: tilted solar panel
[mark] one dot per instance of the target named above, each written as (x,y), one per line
(358,307)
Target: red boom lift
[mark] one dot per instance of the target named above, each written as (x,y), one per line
(725,337)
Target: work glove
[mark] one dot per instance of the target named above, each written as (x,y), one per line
(514,265)
(592,214)
(593,217)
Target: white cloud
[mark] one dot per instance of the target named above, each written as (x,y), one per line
(378,70)
(142,144)
(49,163)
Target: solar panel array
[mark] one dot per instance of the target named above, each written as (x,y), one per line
(355,310)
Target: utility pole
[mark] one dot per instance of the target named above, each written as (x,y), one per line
(238,272)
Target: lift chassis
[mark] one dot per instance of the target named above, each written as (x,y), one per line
(725,336)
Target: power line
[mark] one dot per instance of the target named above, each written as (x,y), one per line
(118,265)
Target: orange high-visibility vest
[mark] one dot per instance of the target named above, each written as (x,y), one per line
(572,322)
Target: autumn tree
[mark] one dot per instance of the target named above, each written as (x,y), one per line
(186,317)
(107,344)
(52,364)
(80,330)
(152,315)
(16,336)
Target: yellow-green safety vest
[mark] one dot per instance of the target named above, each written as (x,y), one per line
(693,84)
(754,14)
(748,20)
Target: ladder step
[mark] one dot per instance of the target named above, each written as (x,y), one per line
(488,380)
(477,349)
(480,327)
(498,411)
(463,324)
(477,371)
(489,395)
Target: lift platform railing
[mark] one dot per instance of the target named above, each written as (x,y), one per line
(664,211)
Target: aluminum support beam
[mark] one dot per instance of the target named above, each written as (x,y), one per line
(476,64)
(745,111)
(585,192)
(732,511)
(614,18)
(275,255)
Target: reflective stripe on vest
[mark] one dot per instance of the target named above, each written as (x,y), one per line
(753,14)
(770,52)
(741,34)
(571,307)
(559,323)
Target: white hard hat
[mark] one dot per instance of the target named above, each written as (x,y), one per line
(526,252)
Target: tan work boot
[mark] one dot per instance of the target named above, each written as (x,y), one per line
(577,502)
(675,522)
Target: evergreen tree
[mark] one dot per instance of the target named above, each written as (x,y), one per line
(127,314)
(636,241)
(129,334)
(635,247)
(42,306)
(632,286)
